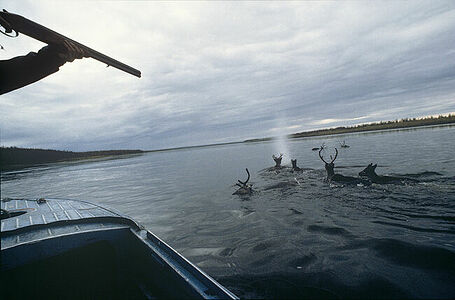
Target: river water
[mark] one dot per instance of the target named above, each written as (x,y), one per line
(297,235)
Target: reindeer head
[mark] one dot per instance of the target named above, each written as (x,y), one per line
(244,187)
(294,166)
(294,163)
(369,171)
(277,160)
(329,166)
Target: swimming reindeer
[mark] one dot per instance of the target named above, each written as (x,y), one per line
(318,148)
(344,145)
(294,166)
(244,187)
(331,176)
(370,172)
(277,160)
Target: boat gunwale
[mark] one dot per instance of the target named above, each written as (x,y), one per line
(208,288)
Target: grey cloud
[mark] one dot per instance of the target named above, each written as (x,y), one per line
(217,72)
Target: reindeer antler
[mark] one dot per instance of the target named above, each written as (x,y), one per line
(332,159)
(336,154)
(244,183)
(320,156)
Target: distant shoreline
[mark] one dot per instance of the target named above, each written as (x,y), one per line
(378,126)
(13,158)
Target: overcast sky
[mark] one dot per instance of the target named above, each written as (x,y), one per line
(228,71)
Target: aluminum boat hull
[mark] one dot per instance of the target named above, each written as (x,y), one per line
(56,248)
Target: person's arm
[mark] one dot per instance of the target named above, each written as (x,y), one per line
(23,70)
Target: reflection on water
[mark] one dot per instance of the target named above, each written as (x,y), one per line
(296,236)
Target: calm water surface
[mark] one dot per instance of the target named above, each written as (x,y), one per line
(296,236)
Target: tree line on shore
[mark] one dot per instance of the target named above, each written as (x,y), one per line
(14,156)
(382,125)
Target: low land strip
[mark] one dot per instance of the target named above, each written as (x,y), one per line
(383,125)
(16,158)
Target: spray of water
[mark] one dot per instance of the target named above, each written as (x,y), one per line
(281,141)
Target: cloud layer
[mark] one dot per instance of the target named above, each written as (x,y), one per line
(228,71)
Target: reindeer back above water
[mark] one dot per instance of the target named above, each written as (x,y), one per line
(370,172)
(244,187)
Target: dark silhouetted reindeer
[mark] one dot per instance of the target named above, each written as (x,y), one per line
(277,160)
(331,176)
(319,148)
(370,172)
(244,187)
(294,166)
(344,145)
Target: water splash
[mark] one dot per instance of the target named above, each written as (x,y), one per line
(281,141)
